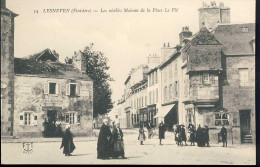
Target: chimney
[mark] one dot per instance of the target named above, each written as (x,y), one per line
(3,3)
(186,33)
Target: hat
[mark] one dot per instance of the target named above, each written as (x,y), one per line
(105,120)
(67,126)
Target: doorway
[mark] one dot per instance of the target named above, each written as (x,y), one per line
(245,126)
(50,127)
(245,121)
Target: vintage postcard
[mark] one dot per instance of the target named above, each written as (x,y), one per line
(168,82)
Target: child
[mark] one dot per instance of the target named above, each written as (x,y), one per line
(141,136)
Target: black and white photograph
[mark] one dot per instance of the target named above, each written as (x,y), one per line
(128,82)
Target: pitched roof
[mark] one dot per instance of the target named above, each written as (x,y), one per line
(45,55)
(50,68)
(234,40)
(204,37)
(7,11)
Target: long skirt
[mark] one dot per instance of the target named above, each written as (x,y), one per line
(141,137)
(118,148)
(69,147)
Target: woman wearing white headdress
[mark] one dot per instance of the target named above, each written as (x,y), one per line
(67,142)
(104,140)
(118,143)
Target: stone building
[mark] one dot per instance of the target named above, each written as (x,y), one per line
(7,70)
(48,95)
(211,15)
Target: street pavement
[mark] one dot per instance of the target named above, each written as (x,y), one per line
(149,153)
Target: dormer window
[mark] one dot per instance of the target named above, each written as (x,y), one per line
(244,29)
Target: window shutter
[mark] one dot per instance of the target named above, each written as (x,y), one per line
(58,88)
(234,119)
(35,119)
(75,118)
(209,119)
(46,88)
(78,89)
(21,119)
(67,89)
(201,78)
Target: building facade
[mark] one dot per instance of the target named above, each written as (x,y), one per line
(208,79)
(7,70)
(49,95)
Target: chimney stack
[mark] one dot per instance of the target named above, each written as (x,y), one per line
(3,3)
(186,33)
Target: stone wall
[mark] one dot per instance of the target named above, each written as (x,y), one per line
(236,97)
(7,73)
(30,96)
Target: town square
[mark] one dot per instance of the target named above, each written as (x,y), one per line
(169,82)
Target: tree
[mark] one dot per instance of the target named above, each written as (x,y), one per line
(96,69)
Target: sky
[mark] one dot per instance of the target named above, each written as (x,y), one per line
(126,39)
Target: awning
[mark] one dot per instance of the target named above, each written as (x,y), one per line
(164,111)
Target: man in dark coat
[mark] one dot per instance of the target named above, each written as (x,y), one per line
(223,133)
(117,142)
(192,134)
(183,135)
(199,137)
(162,130)
(207,136)
(67,142)
(104,141)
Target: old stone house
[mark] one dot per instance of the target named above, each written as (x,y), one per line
(48,95)
(7,69)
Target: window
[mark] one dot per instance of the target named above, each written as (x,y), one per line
(212,78)
(170,91)
(156,95)
(170,71)
(166,93)
(243,76)
(27,118)
(146,100)
(116,116)
(72,89)
(244,29)
(205,78)
(189,116)
(52,88)
(221,119)
(176,89)
(72,118)
(156,79)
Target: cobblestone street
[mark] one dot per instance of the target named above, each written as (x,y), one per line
(150,153)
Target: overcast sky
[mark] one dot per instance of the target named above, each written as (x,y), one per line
(125,38)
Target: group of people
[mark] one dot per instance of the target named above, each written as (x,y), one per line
(142,137)
(110,145)
(201,135)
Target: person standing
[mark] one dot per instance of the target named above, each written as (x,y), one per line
(192,134)
(149,129)
(199,137)
(183,135)
(141,136)
(117,142)
(67,142)
(161,132)
(223,133)
(104,141)
(207,136)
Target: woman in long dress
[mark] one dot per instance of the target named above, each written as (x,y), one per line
(162,130)
(67,142)
(141,136)
(104,141)
(118,143)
